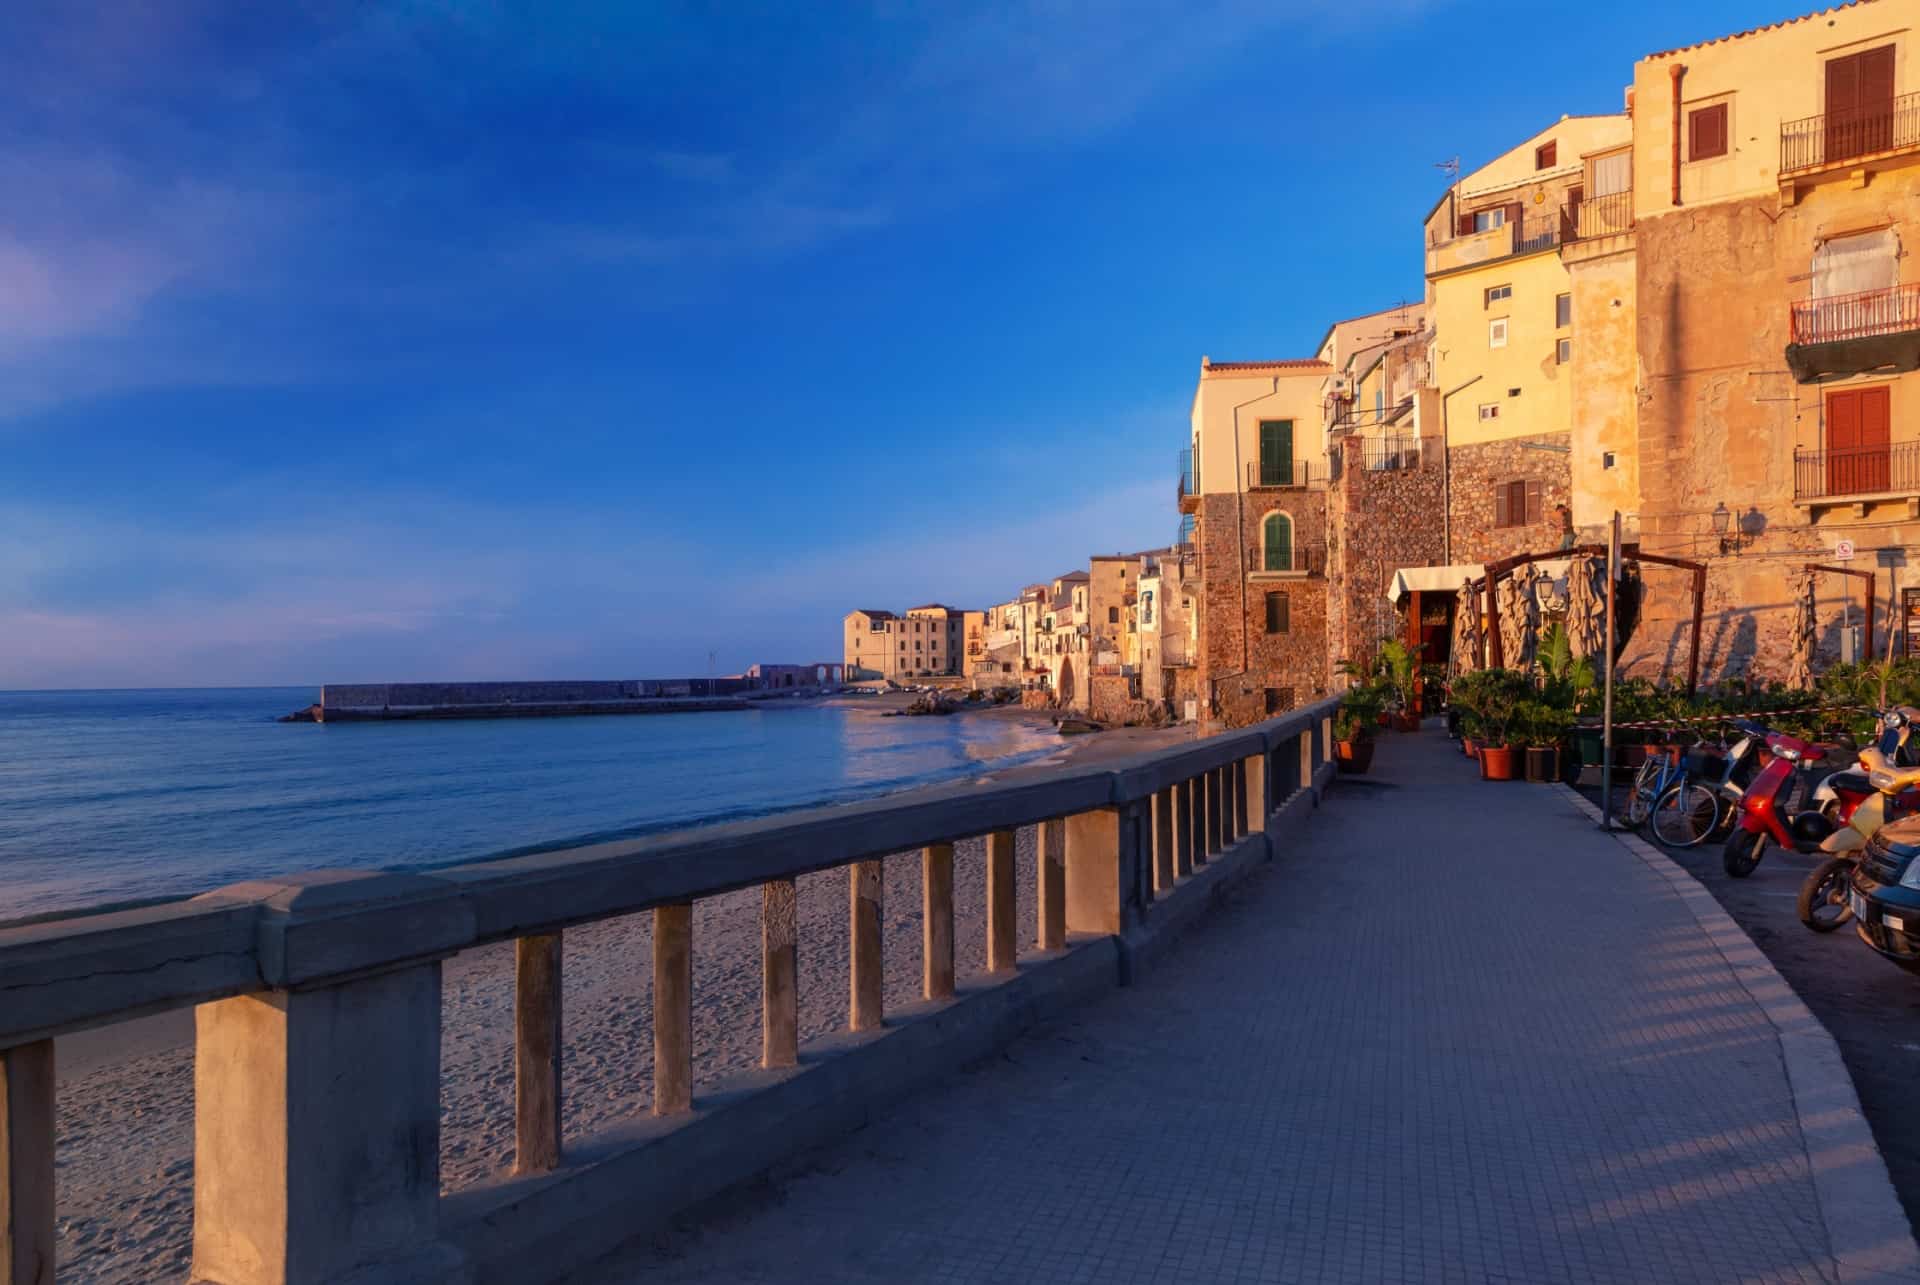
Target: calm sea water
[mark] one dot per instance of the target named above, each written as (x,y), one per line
(113,796)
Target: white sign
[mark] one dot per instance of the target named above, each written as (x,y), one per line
(1843,551)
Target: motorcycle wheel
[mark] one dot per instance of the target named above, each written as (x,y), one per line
(1685,815)
(1743,851)
(1823,902)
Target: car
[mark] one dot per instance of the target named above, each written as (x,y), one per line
(1885,893)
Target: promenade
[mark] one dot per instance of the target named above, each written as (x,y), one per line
(1456,1034)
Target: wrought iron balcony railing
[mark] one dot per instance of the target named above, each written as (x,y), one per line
(1603,215)
(1870,470)
(1297,559)
(1267,474)
(1857,316)
(1390,454)
(1833,137)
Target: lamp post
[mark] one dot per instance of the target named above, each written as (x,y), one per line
(1722,519)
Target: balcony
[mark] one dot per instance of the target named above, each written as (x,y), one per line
(1844,138)
(1282,475)
(1856,475)
(1187,494)
(1603,216)
(1398,453)
(1851,334)
(1530,234)
(1300,560)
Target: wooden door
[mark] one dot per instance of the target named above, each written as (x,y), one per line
(1859,435)
(1860,103)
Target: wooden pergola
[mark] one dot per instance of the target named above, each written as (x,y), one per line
(1815,568)
(1498,571)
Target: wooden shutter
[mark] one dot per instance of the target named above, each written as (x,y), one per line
(1546,155)
(1533,503)
(1500,515)
(1707,132)
(1279,542)
(1859,103)
(1276,452)
(1466,225)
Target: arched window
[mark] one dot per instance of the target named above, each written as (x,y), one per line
(1277,539)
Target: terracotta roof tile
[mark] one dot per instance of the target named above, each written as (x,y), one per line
(1208,366)
(1754,31)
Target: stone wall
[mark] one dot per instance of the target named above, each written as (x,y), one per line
(1112,698)
(1239,661)
(1381,520)
(1478,469)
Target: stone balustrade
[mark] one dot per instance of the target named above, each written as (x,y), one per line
(317,1009)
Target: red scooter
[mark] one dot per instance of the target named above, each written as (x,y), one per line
(1764,813)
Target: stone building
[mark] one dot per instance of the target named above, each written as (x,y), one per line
(1259,503)
(1769,279)
(926,642)
(1169,586)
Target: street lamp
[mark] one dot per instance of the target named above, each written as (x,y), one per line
(1722,519)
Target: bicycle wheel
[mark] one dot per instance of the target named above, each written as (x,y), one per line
(1685,815)
(1645,792)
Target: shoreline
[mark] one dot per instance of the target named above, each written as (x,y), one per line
(125,1127)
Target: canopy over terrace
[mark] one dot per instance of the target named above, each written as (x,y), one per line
(1416,581)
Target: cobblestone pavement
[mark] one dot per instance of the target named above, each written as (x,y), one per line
(1452,1033)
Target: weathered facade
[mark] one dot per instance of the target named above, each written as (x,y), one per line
(926,642)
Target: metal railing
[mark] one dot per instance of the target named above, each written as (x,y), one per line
(1857,316)
(320,1007)
(1299,559)
(1390,454)
(1604,215)
(1185,486)
(1833,137)
(1871,470)
(1271,474)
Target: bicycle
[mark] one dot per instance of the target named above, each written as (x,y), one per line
(1668,792)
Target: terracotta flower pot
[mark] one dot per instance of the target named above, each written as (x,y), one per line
(1496,762)
(1384,719)
(1353,757)
(1407,722)
(1471,746)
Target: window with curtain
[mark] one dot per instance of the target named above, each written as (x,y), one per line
(1853,264)
(1613,173)
(1277,541)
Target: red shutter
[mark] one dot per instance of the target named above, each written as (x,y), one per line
(1533,502)
(1466,225)
(1500,517)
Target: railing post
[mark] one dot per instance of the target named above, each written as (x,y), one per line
(26,1164)
(1306,758)
(1237,826)
(1051,866)
(779,974)
(936,921)
(1197,817)
(1163,842)
(1183,829)
(1253,771)
(1216,811)
(673,1009)
(866,962)
(537,1044)
(317,1133)
(1002,953)
(1326,740)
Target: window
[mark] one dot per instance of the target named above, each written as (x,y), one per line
(1489,410)
(1563,310)
(1276,539)
(1483,220)
(1496,293)
(1276,452)
(1860,103)
(1563,352)
(1613,173)
(1516,503)
(1707,132)
(1113,615)
(1858,433)
(1546,155)
(1497,333)
(1857,263)
(1279,619)
(1279,700)
(1147,602)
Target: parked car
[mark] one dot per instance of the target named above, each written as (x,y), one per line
(1885,893)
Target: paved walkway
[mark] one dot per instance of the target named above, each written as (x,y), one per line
(1455,1034)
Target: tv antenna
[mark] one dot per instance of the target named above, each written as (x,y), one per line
(1450,166)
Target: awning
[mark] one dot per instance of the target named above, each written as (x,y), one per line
(1448,579)
(1432,579)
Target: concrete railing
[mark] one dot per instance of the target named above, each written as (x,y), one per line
(317,1080)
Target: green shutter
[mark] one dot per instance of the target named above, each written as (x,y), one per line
(1279,543)
(1276,452)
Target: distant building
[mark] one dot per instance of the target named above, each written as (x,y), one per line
(926,642)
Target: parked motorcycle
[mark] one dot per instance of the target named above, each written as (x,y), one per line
(1891,767)
(1766,814)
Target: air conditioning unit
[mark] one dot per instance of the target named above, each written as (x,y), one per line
(1342,385)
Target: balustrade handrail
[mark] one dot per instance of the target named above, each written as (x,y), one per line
(1833,137)
(68,974)
(1862,314)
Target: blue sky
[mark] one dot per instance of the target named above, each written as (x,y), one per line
(439,340)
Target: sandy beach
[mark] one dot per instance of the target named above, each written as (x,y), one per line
(125,1158)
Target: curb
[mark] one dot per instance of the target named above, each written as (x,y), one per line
(1867,1231)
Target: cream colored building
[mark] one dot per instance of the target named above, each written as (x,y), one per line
(926,642)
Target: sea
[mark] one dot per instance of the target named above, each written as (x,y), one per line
(111,797)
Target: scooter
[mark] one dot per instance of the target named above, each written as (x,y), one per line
(1890,767)
(1764,816)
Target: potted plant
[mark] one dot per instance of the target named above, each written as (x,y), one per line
(1544,728)
(1353,726)
(1496,724)
(1402,663)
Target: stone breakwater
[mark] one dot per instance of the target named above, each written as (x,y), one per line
(373,702)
